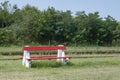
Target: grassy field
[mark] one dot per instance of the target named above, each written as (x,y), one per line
(88,67)
(81,66)
(15,50)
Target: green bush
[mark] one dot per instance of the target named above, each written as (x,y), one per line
(6,37)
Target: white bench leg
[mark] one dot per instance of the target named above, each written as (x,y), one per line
(28,63)
(24,57)
(61,53)
(25,61)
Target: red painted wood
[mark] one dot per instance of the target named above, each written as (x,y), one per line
(37,48)
(48,58)
(20,57)
(45,57)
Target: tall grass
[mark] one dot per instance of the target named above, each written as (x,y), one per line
(103,68)
(44,64)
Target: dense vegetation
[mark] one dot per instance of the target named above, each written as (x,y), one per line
(31,25)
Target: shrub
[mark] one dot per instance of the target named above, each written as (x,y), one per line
(6,37)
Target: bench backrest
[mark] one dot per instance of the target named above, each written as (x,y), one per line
(37,48)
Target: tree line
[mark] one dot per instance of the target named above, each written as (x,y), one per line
(31,25)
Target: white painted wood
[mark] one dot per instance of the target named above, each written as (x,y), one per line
(28,62)
(61,53)
(24,57)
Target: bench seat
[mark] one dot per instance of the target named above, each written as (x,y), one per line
(45,57)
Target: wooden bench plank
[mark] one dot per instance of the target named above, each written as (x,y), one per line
(37,48)
(39,56)
(47,58)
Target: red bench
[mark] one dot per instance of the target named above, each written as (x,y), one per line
(60,55)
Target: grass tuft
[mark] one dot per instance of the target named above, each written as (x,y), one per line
(44,64)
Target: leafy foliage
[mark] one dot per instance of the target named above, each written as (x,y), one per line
(30,25)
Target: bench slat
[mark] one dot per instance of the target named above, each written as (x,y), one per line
(36,48)
(47,58)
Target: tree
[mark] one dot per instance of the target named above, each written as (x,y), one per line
(88,26)
(6,14)
(69,26)
(28,23)
(110,25)
(7,37)
(93,29)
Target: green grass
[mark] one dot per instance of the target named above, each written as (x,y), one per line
(10,49)
(47,63)
(93,48)
(81,67)
(90,68)
(15,50)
